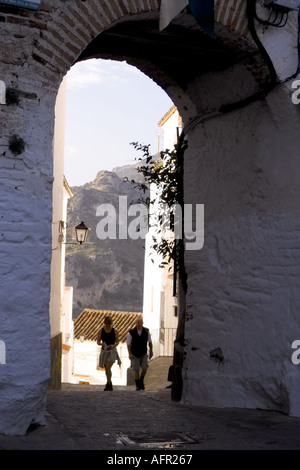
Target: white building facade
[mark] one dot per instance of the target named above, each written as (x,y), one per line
(61,296)
(160,297)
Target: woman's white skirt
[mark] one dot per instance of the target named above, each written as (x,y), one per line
(109,356)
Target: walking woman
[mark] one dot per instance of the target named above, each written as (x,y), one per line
(108,338)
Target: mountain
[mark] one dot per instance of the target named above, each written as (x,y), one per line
(105,274)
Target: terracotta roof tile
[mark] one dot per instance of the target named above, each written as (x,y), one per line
(168,115)
(89,322)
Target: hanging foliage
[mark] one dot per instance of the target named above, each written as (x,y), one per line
(166,173)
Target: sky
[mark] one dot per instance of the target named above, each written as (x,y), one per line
(109,104)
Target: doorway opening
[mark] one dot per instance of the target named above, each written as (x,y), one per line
(109,104)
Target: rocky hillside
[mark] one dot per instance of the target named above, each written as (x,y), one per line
(105,274)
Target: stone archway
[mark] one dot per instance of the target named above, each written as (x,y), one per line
(218,85)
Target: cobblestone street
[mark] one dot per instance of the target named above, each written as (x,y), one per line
(83,417)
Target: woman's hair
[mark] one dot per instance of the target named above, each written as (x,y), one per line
(108,319)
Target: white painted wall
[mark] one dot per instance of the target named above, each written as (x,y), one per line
(244,285)
(61,296)
(167,131)
(158,300)
(86,360)
(59,202)
(26,216)
(67,328)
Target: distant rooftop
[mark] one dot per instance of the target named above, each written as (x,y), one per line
(89,322)
(167,116)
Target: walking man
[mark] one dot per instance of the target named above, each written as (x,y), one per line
(137,341)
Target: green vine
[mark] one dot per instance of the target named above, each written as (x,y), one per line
(166,172)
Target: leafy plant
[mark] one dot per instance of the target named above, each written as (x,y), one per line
(166,173)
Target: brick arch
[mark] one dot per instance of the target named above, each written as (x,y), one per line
(67,27)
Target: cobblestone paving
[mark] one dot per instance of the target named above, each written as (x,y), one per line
(84,417)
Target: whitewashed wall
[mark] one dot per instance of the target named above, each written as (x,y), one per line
(243,286)
(86,360)
(26,216)
(67,328)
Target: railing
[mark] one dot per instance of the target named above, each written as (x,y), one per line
(163,341)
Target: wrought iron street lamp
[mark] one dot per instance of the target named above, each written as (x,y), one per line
(81,232)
